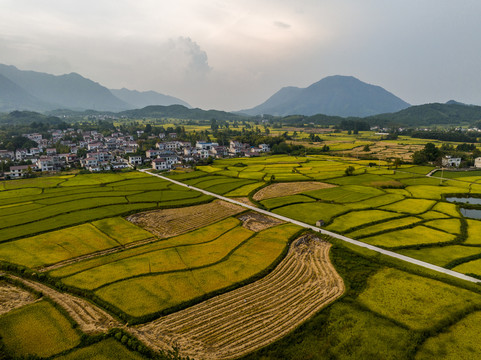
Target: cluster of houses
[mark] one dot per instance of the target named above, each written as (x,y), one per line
(168,154)
(116,151)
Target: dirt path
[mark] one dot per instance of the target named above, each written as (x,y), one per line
(12,297)
(91,319)
(243,320)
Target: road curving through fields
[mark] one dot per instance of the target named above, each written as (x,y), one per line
(329,233)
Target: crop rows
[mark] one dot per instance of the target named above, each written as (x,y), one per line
(255,315)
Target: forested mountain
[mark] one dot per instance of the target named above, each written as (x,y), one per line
(37,91)
(180,112)
(140,99)
(431,114)
(334,95)
(63,91)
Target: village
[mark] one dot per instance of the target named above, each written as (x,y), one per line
(96,152)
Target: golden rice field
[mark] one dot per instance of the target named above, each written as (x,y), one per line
(248,318)
(413,300)
(178,248)
(37,329)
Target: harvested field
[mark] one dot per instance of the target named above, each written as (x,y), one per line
(12,297)
(90,318)
(245,200)
(243,320)
(172,222)
(257,222)
(386,150)
(291,188)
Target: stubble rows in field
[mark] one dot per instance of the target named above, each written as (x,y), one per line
(255,315)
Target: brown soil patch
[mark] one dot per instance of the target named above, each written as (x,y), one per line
(236,323)
(257,222)
(245,200)
(12,297)
(90,318)
(171,222)
(289,188)
(385,150)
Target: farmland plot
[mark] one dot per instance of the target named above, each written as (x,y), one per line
(172,222)
(243,320)
(157,292)
(37,329)
(66,201)
(292,188)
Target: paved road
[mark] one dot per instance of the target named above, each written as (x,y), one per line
(322,231)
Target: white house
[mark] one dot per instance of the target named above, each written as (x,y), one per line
(46,163)
(451,161)
(203,145)
(160,164)
(477,162)
(135,160)
(19,171)
(264,147)
(153,153)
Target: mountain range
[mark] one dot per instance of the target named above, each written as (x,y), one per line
(31,90)
(334,95)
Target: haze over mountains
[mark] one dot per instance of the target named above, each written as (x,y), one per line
(334,95)
(342,96)
(31,90)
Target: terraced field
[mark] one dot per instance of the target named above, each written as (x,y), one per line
(243,320)
(399,209)
(71,232)
(33,206)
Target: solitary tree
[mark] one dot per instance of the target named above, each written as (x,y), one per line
(349,170)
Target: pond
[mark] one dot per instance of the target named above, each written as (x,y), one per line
(471,213)
(466,200)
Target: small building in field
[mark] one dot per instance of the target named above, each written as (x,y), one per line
(320,223)
(451,161)
(477,162)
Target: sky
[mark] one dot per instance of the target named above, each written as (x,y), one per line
(234,54)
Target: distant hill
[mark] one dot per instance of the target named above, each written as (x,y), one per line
(454,102)
(27,117)
(334,95)
(64,91)
(430,114)
(180,112)
(37,91)
(13,97)
(141,99)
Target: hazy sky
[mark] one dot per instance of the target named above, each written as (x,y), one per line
(234,54)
